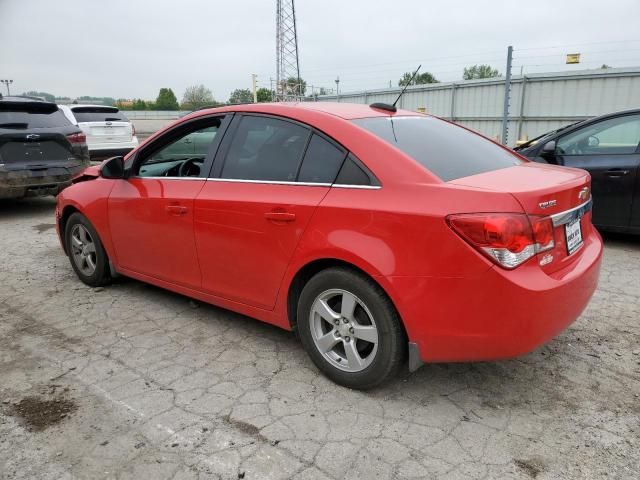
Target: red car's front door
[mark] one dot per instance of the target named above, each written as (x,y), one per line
(151,222)
(151,213)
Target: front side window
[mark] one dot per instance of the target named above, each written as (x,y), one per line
(265,148)
(183,156)
(610,137)
(446,150)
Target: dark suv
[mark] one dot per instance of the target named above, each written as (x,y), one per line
(40,150)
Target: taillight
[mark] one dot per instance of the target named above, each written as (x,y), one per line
(77,138)
(508,239)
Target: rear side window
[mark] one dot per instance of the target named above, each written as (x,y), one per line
(446,150)
(265,148)
(322,161)
(352,173)
(24,120)
(84,114)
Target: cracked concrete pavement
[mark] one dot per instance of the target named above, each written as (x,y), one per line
(163,387)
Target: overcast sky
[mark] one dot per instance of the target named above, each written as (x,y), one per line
(131,48)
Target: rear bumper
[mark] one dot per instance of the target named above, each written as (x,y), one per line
(19,183)
(499,314)
(106,150)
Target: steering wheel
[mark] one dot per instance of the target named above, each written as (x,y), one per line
(188,167)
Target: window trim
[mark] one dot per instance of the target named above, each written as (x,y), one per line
(174,133)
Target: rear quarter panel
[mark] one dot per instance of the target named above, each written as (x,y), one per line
(395,231)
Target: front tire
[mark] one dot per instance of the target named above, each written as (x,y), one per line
(86,253)
(350,328)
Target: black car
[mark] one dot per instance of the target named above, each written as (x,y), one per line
(40,149)
(608,147)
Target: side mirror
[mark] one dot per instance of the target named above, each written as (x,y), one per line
(112,168)
(549,148)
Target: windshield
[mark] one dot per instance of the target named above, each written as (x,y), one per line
(446,150)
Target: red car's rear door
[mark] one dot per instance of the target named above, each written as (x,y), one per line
(250,216)
(151,213)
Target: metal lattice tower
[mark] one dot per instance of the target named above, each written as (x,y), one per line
(287,52)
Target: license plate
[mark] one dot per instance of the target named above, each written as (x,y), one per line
(573,233)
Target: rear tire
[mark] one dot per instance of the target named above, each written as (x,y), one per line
(350,328)
(86,253)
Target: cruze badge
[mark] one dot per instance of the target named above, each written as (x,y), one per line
(548,203)
(584,193)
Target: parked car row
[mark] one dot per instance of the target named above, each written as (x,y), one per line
(43,145)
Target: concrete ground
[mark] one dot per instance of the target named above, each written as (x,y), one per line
(131,381)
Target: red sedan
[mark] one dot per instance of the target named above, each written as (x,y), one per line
(376,234)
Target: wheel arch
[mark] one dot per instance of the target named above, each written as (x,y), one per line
(308,270)
(67,211)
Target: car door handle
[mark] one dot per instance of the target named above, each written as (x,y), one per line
(176,209)
(616,172)
(280,216)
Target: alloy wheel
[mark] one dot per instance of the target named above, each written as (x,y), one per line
(343,330)
(83,250)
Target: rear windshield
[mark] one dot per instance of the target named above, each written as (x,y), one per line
(21,120)
(97,115)
(446,150)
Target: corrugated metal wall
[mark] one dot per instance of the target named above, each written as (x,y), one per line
(539,102)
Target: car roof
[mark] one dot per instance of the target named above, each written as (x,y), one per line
(347,111)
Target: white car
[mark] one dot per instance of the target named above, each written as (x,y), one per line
(109,133)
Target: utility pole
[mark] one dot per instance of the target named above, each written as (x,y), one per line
(287,63)
(338,89)
(507,91)
(7,83)
(254,79)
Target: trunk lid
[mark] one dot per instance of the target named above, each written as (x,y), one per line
(546,190)
(107,132)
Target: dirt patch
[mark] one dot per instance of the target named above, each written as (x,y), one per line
(39,413)
(43,227)
(530,467)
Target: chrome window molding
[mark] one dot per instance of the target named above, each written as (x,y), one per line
(575,213)
(302,184)
(169,178)
(266,182)
(361,187)
(269,182)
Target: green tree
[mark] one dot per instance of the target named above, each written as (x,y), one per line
(166,100)
(605,66)
(421,79)
(139,104)
(241,95)
(264,95)
(197,96)
(47,96)
(480,71)
(294,86)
